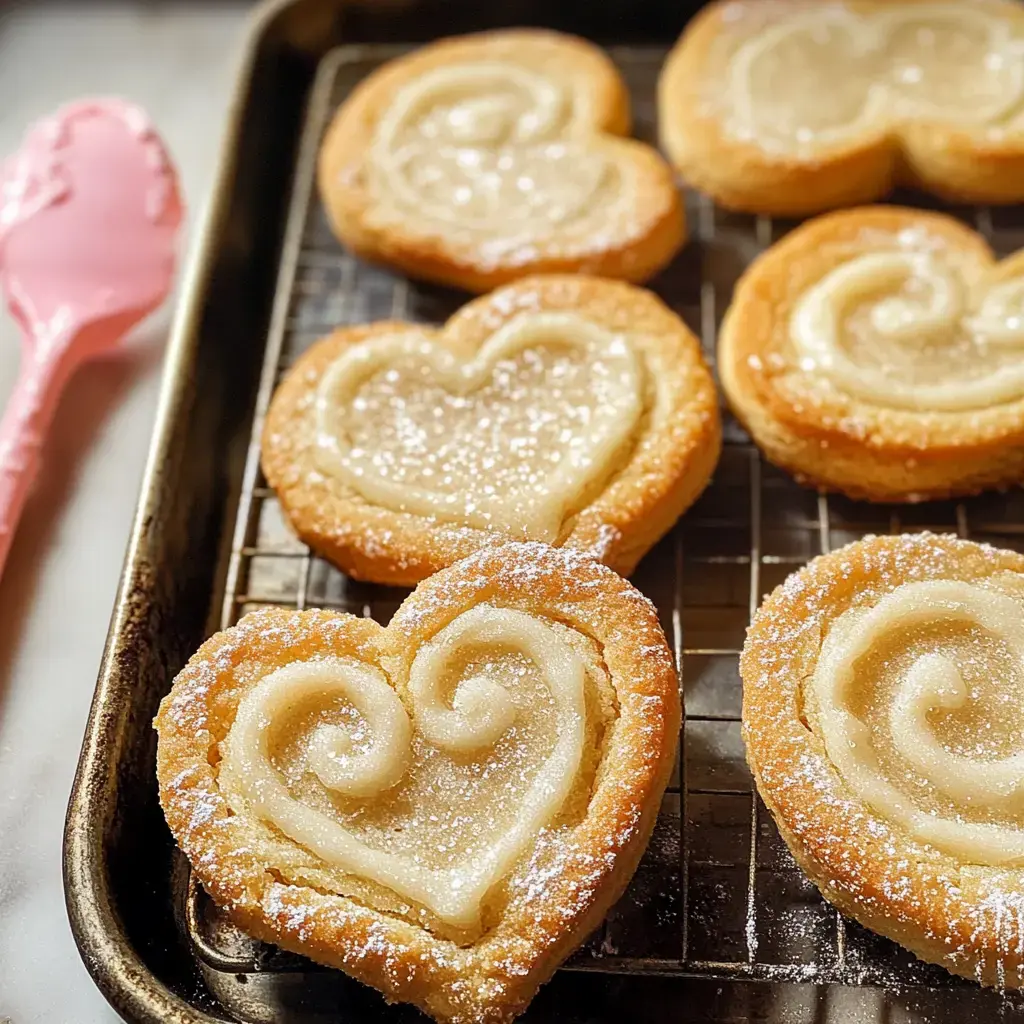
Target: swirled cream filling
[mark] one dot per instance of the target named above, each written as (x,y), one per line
(918,699)
(907,330)
(491,150)
(513,439)
(814,77)
(422,800)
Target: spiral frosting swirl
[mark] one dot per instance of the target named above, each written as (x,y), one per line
(909,696)
(948,63)
(491,149)
(903,329)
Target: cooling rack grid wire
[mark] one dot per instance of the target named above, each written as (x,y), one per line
(717,894)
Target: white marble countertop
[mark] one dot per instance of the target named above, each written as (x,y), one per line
(177,59)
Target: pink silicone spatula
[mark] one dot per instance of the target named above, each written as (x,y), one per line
(89,218)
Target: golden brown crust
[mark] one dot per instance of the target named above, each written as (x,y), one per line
(826,436)
(667,468)
(965,917)
(653,232)
(494,978)
(743,176)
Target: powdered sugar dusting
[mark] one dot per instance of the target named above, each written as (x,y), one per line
(963,915)
(503,441)
(256,872)
(492,152)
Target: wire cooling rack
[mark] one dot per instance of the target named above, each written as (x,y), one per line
(717,895)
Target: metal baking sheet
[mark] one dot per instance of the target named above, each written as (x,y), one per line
(718,913)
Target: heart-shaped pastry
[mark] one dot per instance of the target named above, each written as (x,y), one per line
(569,410)
(880,352)
(443,808)
(482,158)
(885,737)
(797,106)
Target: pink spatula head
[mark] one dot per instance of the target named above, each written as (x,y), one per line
(89,218)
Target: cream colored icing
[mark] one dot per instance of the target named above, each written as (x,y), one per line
(815,77)
(970,783)
(901,329)
(331,758)
(479,713)
(507,440)
(493,150)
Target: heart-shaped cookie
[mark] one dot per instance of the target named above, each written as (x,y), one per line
(884,736)
(568,410)
(931,94)
(482,158)
(880,352)
(445,807)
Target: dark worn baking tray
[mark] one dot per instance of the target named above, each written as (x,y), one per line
(719,924)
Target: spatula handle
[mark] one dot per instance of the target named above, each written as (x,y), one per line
(23,430)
